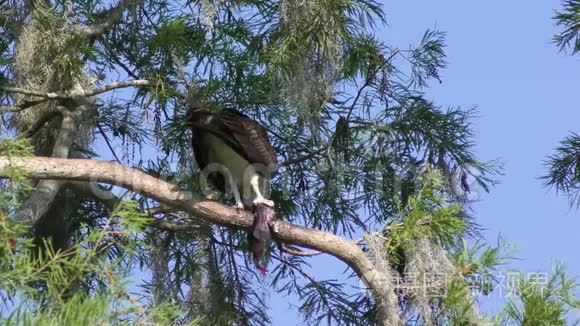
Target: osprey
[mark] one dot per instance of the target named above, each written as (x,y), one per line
(235,155)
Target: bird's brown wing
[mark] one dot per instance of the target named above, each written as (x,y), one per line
(251,137)
(244,135)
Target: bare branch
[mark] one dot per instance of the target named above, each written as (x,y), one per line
(160,210)
(102,132)
(167,194)
(301,253)
(10,108)
(95,192)
(111,17)
(81,93)
(23,91)
(21,107)
(119,84)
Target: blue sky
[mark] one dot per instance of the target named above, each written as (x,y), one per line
(501,60)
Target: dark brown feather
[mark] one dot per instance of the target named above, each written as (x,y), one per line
(244,135)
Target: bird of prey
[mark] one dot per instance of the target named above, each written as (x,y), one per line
(235,155)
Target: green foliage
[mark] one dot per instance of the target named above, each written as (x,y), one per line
(131,216)
(77,311)
(569,20)
(428,58)
(564,168)
(81,285)
(459,302)
(543,301)
(6,26)
(67,51)
(95,310)
(18,183)
(361,53)
(171,37)
(427,215)
(16,147)
(479,263)
(316,28)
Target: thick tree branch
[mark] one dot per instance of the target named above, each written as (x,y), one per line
(21,107)
(33,129)
(11,108)
(213,212)
(111,17)
(39,201)
(81,93)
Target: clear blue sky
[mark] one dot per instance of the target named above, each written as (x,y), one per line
(501,59)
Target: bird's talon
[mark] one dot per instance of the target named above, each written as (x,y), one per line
(263,201)
(239,207)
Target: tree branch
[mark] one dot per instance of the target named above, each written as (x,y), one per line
(295,252)
(21,107)
(28,133)
(108,143)
(39,201)
(111,17)
(81,93)
(168,194)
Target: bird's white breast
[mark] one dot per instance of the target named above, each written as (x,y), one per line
(220,153)
(239,168)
